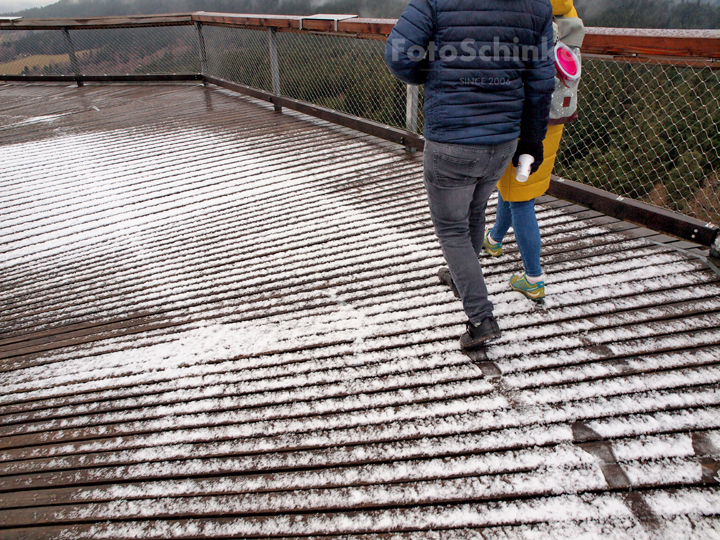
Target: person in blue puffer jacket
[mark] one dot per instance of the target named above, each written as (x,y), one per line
(488,71)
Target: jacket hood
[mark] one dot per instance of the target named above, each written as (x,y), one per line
(562,7)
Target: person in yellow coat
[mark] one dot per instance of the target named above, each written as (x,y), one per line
(516,200)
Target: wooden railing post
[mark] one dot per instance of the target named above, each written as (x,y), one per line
(203,51)
(411,110)
(74,64)
(274,65)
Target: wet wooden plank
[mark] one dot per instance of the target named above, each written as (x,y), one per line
(50,333)
(268,399)
(626,364)
(655,307)
(669,391)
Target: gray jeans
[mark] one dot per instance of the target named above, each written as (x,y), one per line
(459,180)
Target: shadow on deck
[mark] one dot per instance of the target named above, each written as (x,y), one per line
(218,321)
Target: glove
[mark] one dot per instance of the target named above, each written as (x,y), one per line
(536,150)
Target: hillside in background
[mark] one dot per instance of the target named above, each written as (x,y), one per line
(650,13)
(612,13)
(97,8)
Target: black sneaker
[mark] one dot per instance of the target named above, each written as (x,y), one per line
(476,336)
(446,279)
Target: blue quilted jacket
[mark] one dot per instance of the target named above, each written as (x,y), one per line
(487,66)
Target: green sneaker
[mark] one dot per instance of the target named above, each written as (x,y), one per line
(494,250)
(534,291)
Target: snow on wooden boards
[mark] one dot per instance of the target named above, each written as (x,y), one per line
(219,321)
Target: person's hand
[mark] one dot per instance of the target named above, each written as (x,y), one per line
(536,150)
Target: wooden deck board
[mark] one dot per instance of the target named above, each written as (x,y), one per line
(269,398)
(327,247)
(458,465)
(215,312)
(253,426)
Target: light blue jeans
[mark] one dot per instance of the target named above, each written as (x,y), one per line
(459,180)
(521,215)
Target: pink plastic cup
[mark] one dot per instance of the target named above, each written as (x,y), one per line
(567,62)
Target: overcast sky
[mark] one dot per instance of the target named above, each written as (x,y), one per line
(9,6)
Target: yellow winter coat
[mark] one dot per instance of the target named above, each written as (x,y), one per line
(539,182)
(563,7)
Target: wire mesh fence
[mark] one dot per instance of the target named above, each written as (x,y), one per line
(336,72)
(239,55)
(649,132)
(646,131)
(159,49)
(34,52)
(147,49)
(345,74)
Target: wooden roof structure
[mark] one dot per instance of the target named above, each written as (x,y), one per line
(218,321)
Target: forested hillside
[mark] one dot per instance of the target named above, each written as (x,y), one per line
(650,13)
(96,8)
(613,13)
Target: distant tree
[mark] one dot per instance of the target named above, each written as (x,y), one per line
(647,132)
(650,14)
(97,8)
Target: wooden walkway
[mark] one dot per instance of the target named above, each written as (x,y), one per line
(222,322)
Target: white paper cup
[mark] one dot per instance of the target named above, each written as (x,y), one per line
(523,169)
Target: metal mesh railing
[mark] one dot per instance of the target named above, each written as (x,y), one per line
(147,49)
(33,52)
(646,131)
(238,55)
(159,49)
(345,74)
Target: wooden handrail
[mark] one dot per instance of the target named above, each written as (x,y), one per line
(367,28)
(690,44)
(77,23)
(618,42)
